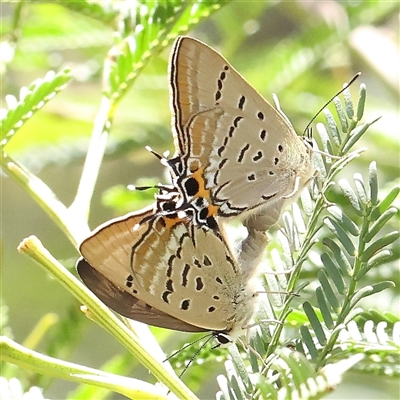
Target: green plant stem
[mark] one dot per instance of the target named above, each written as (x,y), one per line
(103,316)
(102,125)
(312,228)
(46,199)
(39,331)
(28,359)
(351,290)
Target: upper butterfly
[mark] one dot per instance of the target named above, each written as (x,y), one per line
(234,151)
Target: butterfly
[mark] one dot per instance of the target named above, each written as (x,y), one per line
(235,152)
(157,266)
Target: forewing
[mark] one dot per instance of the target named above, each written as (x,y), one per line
(247,151)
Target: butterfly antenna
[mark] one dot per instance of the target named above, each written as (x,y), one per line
(159,156)
(308,130)
(209,337)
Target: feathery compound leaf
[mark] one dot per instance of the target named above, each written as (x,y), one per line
(265,389)
(329,293)
(341,114)
(307,384)
(377,317)
(339,232)
(361,101)
(306,202)
(379,224)
(308,342)
(324,308)
(355,135)
(376,260)
(370,290)
(319,163)
(352,315)
(339,256)
(286,252)
(315,323)
(326,145)
(226,392)
(100,11)
(379,244)
(298,218)
(343,220)
(148,29)
(239,393)
(348,104)
(360,187)
(350,194)
(31,99)
(332,127)
(373,183)
(385,203)
(291,231)
(333,272)
(240,368)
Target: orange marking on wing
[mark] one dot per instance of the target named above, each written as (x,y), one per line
(212,211)
(202,192)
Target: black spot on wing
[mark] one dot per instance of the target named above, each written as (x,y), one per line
(191,186)
(206,261)
(199,283)
(241,102)
(258,156)
(129,281)
(221,78)
(236,121)
(243,152)
(185,304)
(185,273)
(165,296)
(268,197)
(170,263)
(220,150)
(169,285)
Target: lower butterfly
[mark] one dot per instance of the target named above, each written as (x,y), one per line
(235,152)
(156,266)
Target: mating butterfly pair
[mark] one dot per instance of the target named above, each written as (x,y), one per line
(170,264)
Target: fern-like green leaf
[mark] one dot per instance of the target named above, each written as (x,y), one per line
(31,99)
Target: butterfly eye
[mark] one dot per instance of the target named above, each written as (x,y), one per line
(308,142)
(222,338)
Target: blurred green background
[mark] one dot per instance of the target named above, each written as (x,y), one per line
(303,51)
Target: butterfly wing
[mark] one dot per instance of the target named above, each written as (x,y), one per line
(246,151)
(124,303)
(167,263)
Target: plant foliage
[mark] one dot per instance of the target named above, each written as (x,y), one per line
(330,254)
